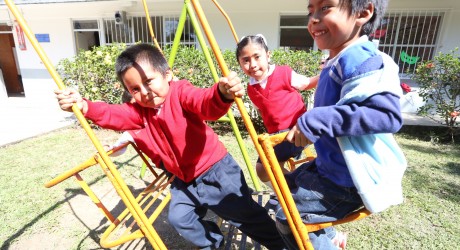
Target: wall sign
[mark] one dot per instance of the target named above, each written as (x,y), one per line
(43,38)
(21,38)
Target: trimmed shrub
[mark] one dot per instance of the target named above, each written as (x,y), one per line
(439,81)
(93,72)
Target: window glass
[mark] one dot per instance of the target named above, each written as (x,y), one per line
(86,34)
(294,34)
(85,24)
(294,21)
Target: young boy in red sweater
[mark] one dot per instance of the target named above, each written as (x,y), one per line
(174,115)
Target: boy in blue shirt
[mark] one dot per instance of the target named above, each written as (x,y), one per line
(323,189)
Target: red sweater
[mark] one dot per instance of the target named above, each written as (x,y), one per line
(279,103)
(178,134)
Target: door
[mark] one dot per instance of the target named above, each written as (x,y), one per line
(8,65)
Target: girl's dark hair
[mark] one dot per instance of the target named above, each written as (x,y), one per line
(126,97)
(141,53)
(259,39)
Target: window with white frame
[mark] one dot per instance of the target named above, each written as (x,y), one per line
(294,34)
(90,33)
(136,29)
(409,36)
(86,34)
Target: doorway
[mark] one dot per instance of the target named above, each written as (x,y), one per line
(9,63)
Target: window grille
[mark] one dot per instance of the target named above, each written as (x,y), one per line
(409,37)
(118,33)
(137,30)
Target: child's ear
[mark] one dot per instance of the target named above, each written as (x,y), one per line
(365,15)
(169,75)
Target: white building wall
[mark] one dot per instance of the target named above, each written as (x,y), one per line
(450,37)
(248,17)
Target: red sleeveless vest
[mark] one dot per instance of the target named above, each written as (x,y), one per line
(279,103)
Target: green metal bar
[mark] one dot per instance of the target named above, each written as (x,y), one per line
(224,119)
(236,131)
(176,42)
(201,40)
(254,178)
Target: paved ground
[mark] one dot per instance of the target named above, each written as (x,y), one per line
(22,119)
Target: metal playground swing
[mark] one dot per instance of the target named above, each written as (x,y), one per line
(141,224)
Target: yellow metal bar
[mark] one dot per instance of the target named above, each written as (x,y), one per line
(64,176)
(126,195)
(149,23)
(88,163)
(284,194)
(132,205)
(309,156)
(246,119)
(358,215)
(146,162)
(268,142)
(226,18)
(94,198)
(161,182)
(249,126)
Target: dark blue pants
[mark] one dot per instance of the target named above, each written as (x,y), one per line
(318,200)
(223,190)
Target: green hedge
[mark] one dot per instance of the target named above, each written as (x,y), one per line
(93,72)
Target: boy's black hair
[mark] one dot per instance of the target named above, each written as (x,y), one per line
(246,40)
(356,6)
(141,53)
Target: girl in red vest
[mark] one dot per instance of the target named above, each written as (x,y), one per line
(274,90)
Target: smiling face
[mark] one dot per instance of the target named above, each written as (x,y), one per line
(148,87)
(332,26)
(253,60)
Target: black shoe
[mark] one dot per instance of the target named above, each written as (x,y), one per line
(271,205)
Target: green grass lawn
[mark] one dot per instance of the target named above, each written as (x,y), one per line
(428,219)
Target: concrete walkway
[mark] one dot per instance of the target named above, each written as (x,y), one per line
(22,119)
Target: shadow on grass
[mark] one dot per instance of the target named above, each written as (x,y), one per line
(436,177)
(70,194)
(438,134)
(441,188)
(426,150)
(94,233)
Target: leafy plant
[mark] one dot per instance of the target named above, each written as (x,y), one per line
(302,62)
(439,81)
(92,72)
(190,63)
